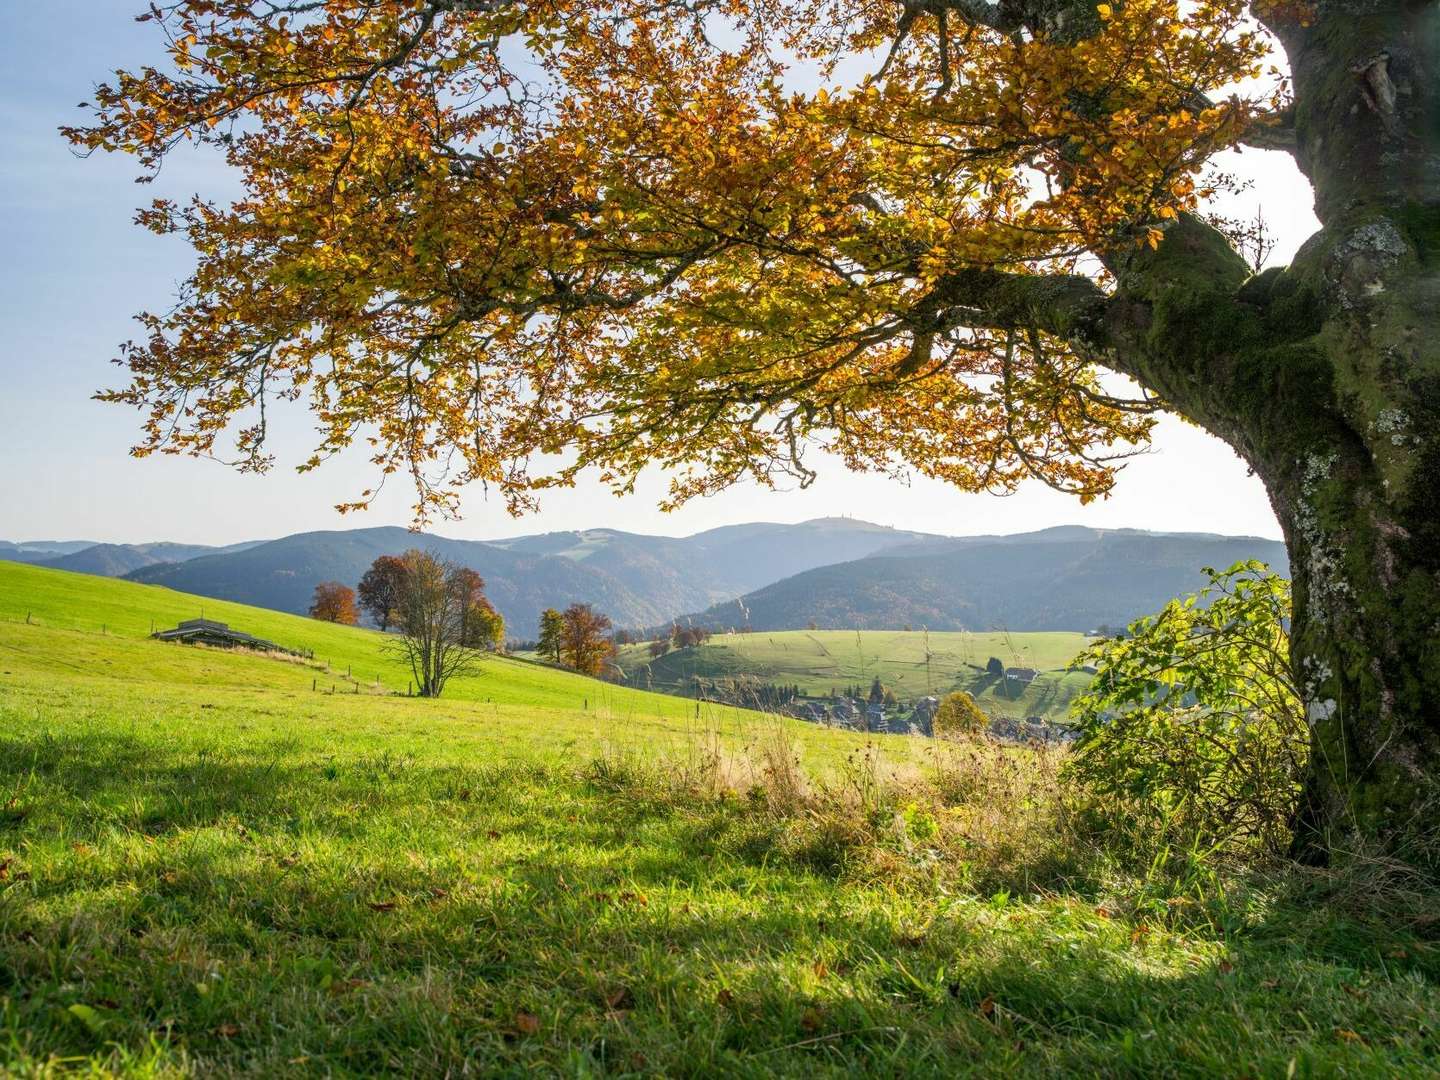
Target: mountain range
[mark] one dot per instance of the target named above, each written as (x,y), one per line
(833,572)
(1066,578)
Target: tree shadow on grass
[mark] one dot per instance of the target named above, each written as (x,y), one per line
(373,915)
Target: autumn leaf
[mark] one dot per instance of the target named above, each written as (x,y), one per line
(525,1023)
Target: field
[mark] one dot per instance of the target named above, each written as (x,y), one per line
(912,663)
(208,867)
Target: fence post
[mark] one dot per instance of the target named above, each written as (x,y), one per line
(312,685)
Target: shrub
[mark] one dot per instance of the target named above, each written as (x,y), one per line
(958,714)
(1192,735)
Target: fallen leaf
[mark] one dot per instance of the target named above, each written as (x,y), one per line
(91,1018)
(725,998)
(526,1023)
(493,834)
(620,999)
(1225,967)
(812,1020)
(439,893)
(987,1008)
(1104,913)
(228,1031)
(820,969)
(1270,984)
(383,905)
(1347,1035)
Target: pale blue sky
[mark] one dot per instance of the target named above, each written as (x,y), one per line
(74,269)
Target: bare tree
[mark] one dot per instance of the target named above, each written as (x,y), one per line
(432,611)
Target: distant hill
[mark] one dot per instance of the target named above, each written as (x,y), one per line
(117,560)
(1059,579)
(637,580)
(836,572)
(38,551)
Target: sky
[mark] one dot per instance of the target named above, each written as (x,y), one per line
(74,269)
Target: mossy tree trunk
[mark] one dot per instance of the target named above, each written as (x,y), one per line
(1326,377)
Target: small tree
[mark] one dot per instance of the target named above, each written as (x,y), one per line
(335,603)
(436,603)
(379,589)
(877,692)
(584,645)
(484,626)
(958,714)
(552,633)
(659,648)
(1193,725)
(995,666)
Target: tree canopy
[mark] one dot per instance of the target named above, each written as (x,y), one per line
(478,234)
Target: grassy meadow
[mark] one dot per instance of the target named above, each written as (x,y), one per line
(912,663)
(212,865)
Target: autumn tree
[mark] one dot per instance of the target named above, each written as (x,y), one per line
(959,714)
(335,603)
(434,615)
(485,626)
(584,644)
(971,238)
(379,589)
(552,632)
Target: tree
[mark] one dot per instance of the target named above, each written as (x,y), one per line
(552,632)
(995,666)
(335,603)
(379,589)
(659,647)
(877,692)
(635,237)
(484,626)
(583,644)
(1194,723)
(436,606)
(688,637)
(958,714)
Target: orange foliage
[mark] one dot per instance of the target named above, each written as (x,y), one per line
(478,235)
(335,603)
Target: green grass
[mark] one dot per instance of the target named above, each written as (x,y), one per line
(210,869)
(912,663)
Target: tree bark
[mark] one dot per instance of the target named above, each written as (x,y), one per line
(1326,377)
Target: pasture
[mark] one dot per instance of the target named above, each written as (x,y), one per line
(209,868)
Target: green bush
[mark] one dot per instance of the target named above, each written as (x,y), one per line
(1192,736)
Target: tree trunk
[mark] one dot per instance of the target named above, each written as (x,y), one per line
(1347,432)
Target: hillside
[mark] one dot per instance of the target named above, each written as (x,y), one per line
(1071,579)
(208,868)
(637,580)
(912,664)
